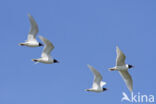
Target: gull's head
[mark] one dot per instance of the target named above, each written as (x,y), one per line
(55,61)
(40,44)
(104,89)
(130,66)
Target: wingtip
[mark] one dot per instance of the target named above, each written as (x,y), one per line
(131,90)
(111,69)
(86,90)
(19,44)
(35,60)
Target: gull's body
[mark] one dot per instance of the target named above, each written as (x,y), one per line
(97,83)
(31,39)
(123,68)
(45,56)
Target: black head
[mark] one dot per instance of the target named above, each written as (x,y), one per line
(40,44)
(104,89)
(130,66)
(55,61)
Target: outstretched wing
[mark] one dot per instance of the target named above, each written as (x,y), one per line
(97,78)
(33,29)
(47,48)
(120,59)
(127,79)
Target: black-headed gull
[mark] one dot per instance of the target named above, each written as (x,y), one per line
(45,56)
(97,83)
(123,68)
(31,39)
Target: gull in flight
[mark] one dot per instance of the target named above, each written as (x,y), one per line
(123,68)
(45,56)
(97,83)
(31,39)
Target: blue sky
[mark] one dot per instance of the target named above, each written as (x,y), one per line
(83,32)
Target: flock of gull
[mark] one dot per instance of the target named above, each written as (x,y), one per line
(46,58)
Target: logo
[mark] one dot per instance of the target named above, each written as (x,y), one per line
(138,98)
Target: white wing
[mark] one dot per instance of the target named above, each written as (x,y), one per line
(127,79)
(47,48)
(120,59)
(97,83)
(33,29)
